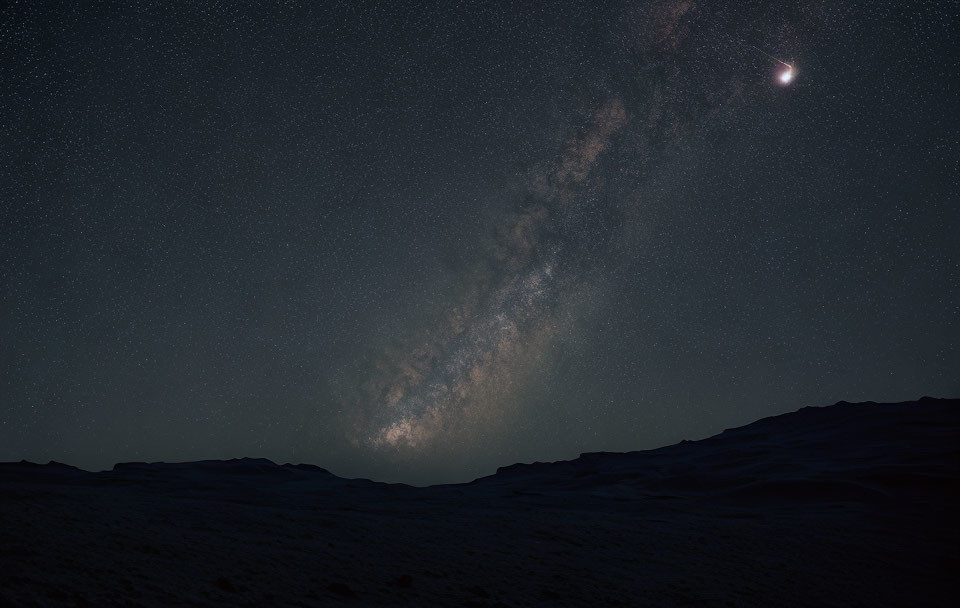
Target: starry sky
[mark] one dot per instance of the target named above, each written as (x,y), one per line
(415,242)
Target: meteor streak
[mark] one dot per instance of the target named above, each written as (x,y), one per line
(785,76)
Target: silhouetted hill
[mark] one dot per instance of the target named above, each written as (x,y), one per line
(847,504)
(861,451)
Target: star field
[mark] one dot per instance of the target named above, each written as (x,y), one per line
(418,242)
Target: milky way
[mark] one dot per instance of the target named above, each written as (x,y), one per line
(487,341)
(459,383)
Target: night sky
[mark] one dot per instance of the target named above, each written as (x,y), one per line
(417,243)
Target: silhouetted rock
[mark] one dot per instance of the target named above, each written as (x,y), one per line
(479,591)
(341,589)
(224,584)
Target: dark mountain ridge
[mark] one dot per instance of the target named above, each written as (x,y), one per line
(873,448)
(851,503)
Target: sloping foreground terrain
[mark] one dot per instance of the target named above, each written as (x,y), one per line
(852,504)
